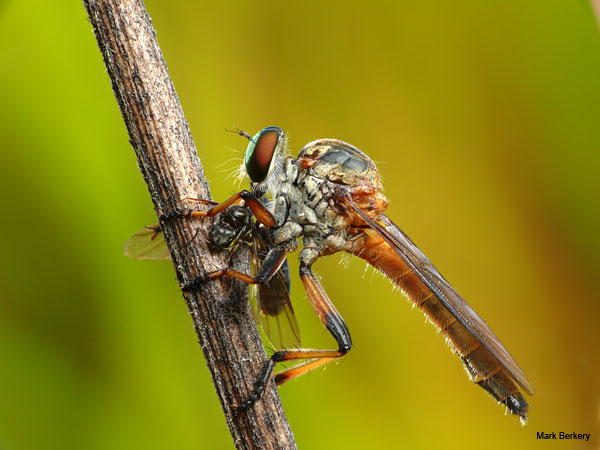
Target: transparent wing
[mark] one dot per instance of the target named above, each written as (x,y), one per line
(148,243)
(444,292)
(274,308)
(276,312)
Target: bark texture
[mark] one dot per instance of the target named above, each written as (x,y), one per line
(169,163)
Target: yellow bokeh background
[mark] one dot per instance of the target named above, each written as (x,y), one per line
(484,119)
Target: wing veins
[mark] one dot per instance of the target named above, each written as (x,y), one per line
(430,276)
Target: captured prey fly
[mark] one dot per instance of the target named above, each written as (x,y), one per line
(234,226)
(330,196)
(274,309)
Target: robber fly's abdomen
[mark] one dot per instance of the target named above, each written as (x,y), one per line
(483,367)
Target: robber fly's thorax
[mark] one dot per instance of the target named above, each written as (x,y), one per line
(344,167)
(309,186)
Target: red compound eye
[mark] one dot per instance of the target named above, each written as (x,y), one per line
(260,152)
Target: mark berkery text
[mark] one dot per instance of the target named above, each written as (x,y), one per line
(563,435)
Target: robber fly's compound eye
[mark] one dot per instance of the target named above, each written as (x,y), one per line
(261,152)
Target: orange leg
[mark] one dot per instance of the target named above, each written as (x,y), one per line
(300,369)
(272,263)
(330,317)
(261,213)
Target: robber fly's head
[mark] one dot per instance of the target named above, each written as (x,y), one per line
(264,157)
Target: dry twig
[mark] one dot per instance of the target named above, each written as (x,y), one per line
(168,161)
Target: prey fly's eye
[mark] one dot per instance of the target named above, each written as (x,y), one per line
(261,152)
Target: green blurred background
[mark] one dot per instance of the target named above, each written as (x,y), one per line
(484,119)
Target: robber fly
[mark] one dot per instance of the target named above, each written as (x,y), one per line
(330,196)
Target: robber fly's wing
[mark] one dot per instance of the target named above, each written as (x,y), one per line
(148,243)
(445,293)
(273,306)
(275,309)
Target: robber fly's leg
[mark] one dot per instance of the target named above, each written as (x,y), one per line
(261,213)
(271,265)
(330,317)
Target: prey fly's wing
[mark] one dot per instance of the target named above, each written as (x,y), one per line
(148,243)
